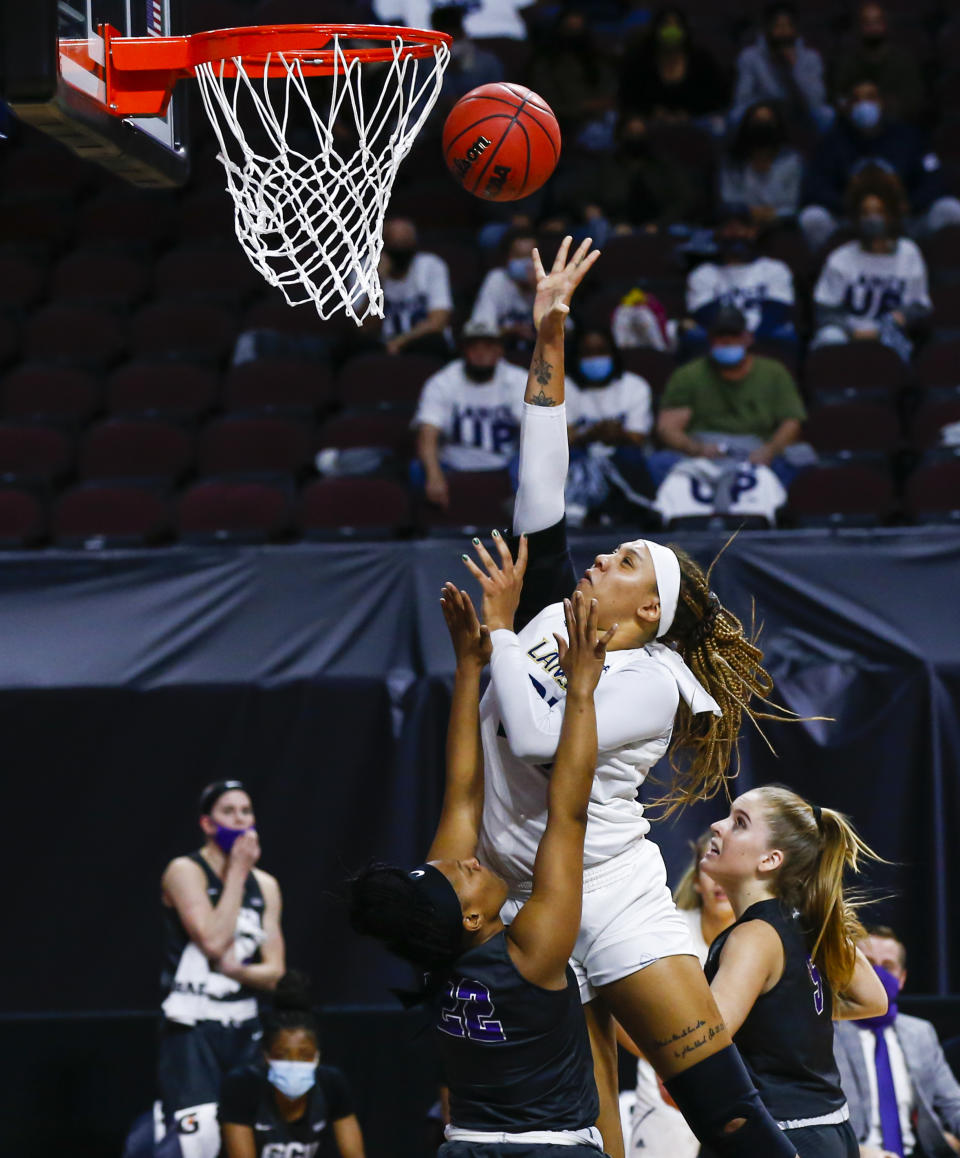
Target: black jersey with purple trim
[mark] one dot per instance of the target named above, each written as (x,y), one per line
(515,1056)
(786,1040)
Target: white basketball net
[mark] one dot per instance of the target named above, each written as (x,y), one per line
(313,224)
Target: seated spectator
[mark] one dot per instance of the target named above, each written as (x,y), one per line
(761,170)
(873,55)
(483,17)
(628,188)
(863,135)
(781,67)
(470,64)
(761,287)
(575,79)
(287,1103)
(640,320)
(729,404)
(609,411)
(902,1095)
(469,413)
(875,287)
(417,302)
(505,298)
(664,74)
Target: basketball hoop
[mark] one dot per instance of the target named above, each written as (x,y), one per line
(310,172)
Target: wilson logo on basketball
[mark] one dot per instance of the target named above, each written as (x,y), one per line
(496,182)
(462,164)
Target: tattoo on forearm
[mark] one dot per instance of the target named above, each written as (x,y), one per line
(542,399)
(542,369)
(693,1037)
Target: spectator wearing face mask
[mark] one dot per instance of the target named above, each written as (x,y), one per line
(665,75)
(729,403)
(417,302)
(875,55)
(760,287)
(468,417)
(781,67)
(875,287)
(904,1100)
(505,298)
(761,170)
(865,135)
(286,1103)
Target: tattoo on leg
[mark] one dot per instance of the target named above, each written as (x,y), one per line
(542,399)
(542,369)
(689,1039)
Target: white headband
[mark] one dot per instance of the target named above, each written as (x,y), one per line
(666,570)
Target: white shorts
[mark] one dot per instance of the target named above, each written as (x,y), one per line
(629,918)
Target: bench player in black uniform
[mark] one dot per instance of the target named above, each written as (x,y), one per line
(222,945)
(509,1024)
(287,1105)
(789,964)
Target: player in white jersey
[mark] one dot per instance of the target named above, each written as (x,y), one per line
(634,958)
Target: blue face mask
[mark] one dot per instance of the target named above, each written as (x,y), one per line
(728,355)
(519,268)
(292,1078)
(225,837)
(597,367)
(866,114)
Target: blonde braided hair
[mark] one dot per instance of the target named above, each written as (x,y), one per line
(728,663)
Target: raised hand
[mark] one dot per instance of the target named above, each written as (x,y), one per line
(583,652)
(555,289)
(501,586)
(470,638)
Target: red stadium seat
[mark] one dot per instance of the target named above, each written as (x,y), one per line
(654,365)
(635,256)
(930,419)
(21,519)
(93,277)
(43,224)
(218,273)
(238,511)
(255,446)
(382,428)
(274,314)
(278,385)
(385,379)
(852,494)
(110,515)
(932,492)
(51,393)
(479,500)
(46,169)
(343,507)
(22,280)
(36,453)
(130,449)
(136,220)
(942,251)
(74,336)
(939,364)
(176,391)
(946,310)
(206,215)
(853,426)
(195,331)
(856,369)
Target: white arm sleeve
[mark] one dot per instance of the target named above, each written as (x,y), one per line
(544,458)
(632,705)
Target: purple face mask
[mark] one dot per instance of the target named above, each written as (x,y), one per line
(225,837)
(892,986)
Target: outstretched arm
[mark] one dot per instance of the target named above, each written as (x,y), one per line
(543,933)
(459,828)
(865,996)
(544,449)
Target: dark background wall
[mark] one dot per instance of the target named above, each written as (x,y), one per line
(319,675)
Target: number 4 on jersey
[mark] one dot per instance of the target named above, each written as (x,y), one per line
(468,1012)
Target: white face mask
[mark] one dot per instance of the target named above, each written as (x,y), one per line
(292,1078)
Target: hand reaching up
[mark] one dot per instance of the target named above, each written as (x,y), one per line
(583,653)
(555,289)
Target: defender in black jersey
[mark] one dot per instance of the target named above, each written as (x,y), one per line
(222,945)
(508,1019)
(789,964)
(287,1105)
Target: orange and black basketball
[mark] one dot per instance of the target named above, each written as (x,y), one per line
(501,141)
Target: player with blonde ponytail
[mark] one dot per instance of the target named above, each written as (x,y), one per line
(789,965)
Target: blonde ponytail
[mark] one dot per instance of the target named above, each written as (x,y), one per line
(819,846)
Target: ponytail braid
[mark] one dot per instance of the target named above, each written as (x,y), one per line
(728,663)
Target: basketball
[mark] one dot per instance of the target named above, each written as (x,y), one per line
(501,142)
